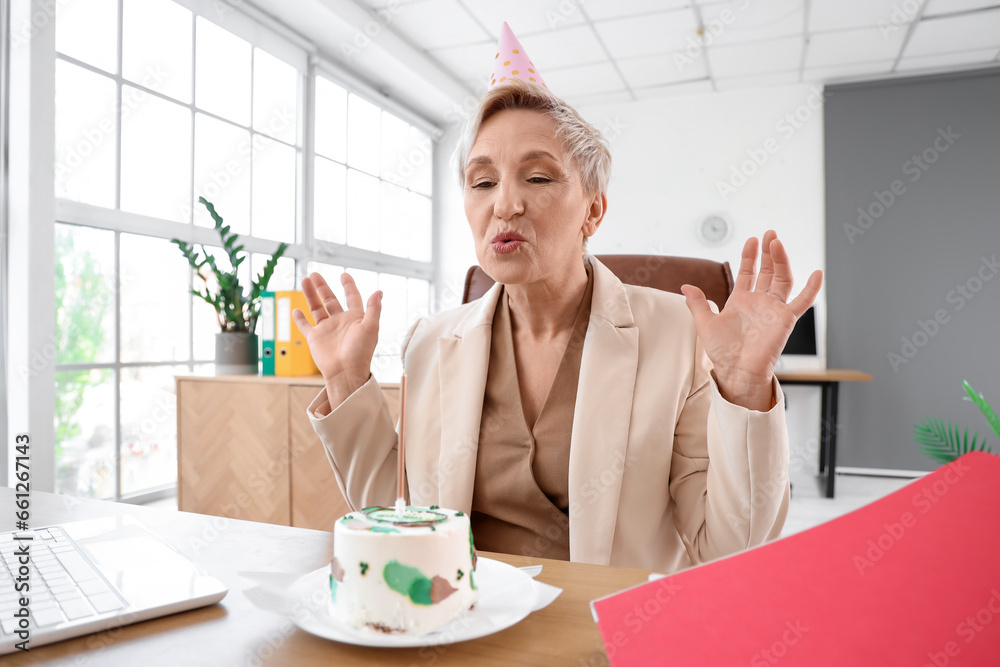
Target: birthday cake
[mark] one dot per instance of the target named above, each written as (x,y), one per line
(402,573)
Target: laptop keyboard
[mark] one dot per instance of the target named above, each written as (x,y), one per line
(65,586)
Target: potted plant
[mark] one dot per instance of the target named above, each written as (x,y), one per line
(236,343)
(944,442)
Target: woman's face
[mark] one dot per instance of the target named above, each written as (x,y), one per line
(525,201)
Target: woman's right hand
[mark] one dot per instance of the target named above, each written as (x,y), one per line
(342,342)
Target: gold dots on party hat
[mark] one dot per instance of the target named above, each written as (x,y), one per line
(515,63)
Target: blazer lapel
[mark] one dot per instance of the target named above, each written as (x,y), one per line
(601,418)
(463,362)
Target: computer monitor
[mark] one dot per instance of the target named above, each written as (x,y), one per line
(802,341)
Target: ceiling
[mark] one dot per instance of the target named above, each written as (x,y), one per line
(592,51)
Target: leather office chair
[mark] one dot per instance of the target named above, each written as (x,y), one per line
(660,271)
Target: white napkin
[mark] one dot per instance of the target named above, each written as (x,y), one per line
(272,591)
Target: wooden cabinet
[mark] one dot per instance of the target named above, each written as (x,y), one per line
(246,450)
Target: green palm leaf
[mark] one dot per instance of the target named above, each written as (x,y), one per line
(944,442)
(977,398)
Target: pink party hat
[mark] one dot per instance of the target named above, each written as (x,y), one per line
(512,62)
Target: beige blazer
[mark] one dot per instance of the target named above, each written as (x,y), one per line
(663,472)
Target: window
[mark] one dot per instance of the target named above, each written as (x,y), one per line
(5,16)
(372,192)
(160,106)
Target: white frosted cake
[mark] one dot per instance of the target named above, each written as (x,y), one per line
(407,573)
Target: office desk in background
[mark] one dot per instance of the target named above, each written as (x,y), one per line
(828,380)
(234,632)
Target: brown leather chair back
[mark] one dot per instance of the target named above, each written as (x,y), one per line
(662,272)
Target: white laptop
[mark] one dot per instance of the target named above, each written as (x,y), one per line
(93,575)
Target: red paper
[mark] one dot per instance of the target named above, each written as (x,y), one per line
(911,579)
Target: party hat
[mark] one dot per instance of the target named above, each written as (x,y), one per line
(512,62)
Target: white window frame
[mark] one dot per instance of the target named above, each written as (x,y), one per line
(263,32)
(4,85)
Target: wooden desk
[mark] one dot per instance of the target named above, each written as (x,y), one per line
(828,380)
(234,632)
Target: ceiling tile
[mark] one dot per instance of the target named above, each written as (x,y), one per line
(949,60)
(382,4)
(421,23)
(739,60)
(601,10)
(938,7)
(736,22)
(525,17)
(648,34)
(661,69)
(467,62)
(602,98)
(563,48)
(586,80)
(846,72)
(686,88)
(771,79)
(826,49)
(845,14)
(966,32)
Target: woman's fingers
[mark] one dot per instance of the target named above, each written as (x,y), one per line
(766,263)
(748,262)
(781,280)
(302,322)
(374,311)
(807,296)
(327,296)
(354,300)
(314,288)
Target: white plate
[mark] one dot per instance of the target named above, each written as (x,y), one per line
(506,596)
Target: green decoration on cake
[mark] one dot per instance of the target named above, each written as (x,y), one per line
(382,529)
(413,516)
(333,588)
(472,554)
(364,568)
(460,575)
(459,514)
(435,507)
(408,581)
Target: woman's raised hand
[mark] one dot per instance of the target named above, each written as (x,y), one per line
(745,339)
(342,342)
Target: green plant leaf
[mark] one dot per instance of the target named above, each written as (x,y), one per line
(980,401)
(236,313)
(944,442)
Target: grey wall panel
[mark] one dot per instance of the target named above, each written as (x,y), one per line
(922,266)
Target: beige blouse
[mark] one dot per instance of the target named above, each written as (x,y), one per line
(520,499)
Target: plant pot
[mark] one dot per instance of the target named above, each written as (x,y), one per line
(236,353)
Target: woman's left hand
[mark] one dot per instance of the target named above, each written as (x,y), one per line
(746,338)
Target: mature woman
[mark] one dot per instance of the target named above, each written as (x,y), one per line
(572,416)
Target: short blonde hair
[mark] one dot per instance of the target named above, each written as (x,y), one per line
(583,141)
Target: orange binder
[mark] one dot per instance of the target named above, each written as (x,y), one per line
(291,352)
(910,579)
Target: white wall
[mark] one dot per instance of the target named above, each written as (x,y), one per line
(670,155)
